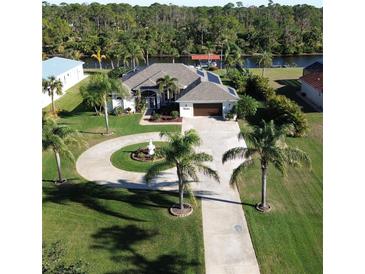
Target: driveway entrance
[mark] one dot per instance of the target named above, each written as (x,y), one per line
(227,242)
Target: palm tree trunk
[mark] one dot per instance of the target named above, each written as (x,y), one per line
(58,162)
(111,63)
(134,64)
(106,115)
(100,66)
(118,62)
(181,190)
(96,110)
(148,62)
(53,105)
(263,186)
(263,71)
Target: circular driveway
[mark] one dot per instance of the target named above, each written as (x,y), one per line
(94,165)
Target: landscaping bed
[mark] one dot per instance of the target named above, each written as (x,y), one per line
(123,158)
(165,119)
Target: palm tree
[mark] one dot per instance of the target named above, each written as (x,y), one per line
(135,54)
(267,144)
(265,61)
(233,55)
(99,57)
(101,86)
(92,98)
(52,86)
(174,54)
(180,153)
(58,138)
(168,85)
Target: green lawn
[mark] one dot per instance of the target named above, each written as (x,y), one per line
(116,230)
(289,238)
(71,99)
(122,158)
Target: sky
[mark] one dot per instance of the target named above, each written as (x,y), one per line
(317,3)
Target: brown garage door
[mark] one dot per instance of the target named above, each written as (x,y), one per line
(208,109)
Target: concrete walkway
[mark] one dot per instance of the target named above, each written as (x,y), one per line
(94,165)
(227,242)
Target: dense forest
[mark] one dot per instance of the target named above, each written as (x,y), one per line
(121,30)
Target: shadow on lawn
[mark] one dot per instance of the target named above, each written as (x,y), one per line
(120,242)
(91,195)
(290,88)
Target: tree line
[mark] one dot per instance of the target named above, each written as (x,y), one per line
(120,30)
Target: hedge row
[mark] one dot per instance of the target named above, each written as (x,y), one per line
(281,109)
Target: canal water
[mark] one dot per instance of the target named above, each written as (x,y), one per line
(249,61)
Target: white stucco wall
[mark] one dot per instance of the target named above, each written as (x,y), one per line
(227,106)
(186,109)
(312,94)
(124,103)
(68,79)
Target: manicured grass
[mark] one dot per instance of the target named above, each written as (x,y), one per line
(122,158)
(116,230)
(71,99)
(122,231)
(289,238)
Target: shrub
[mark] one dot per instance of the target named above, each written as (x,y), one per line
(211,68)
(259,87)
(128,109)
(117,72)
(229,115)
(156,116)
(238,79)
(174,114)
(286,111)
(246,106)
(118,111)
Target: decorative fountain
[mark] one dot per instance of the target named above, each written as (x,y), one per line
(151,148)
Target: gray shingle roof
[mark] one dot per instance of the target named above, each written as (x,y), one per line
(182,72)
(208,92)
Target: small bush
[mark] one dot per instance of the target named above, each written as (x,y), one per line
(246,106)
(118,111)
(128,109)
(259,87)
(174,114)
(156,116)
(238,79)
(229,115)
(211,68)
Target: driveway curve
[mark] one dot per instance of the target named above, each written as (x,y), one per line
(94,165)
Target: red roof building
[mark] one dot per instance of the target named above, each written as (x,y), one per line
(205,57)
(315,80)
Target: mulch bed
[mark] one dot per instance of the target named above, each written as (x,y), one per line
(166,119)
(186,211)
(142,155)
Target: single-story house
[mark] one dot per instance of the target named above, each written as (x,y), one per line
(312,87)
(201,93)
(314,67)
(68,71)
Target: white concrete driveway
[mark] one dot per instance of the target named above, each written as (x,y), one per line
(227,242)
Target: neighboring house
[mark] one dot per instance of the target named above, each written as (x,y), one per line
(312,87)
(70,72)
(201,92)
(315,67)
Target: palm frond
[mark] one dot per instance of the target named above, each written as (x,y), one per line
(233,153)
(207,171)
(239,170)
(296,157)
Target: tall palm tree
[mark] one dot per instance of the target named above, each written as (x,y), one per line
(265,60)
(104,86)
(233,55)
(168,85)
(59,138)
(99,57)
(180,152)
(135,53)
(267,144)
(52,86)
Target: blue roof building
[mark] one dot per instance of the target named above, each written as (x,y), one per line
(68,71)
(57,66)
